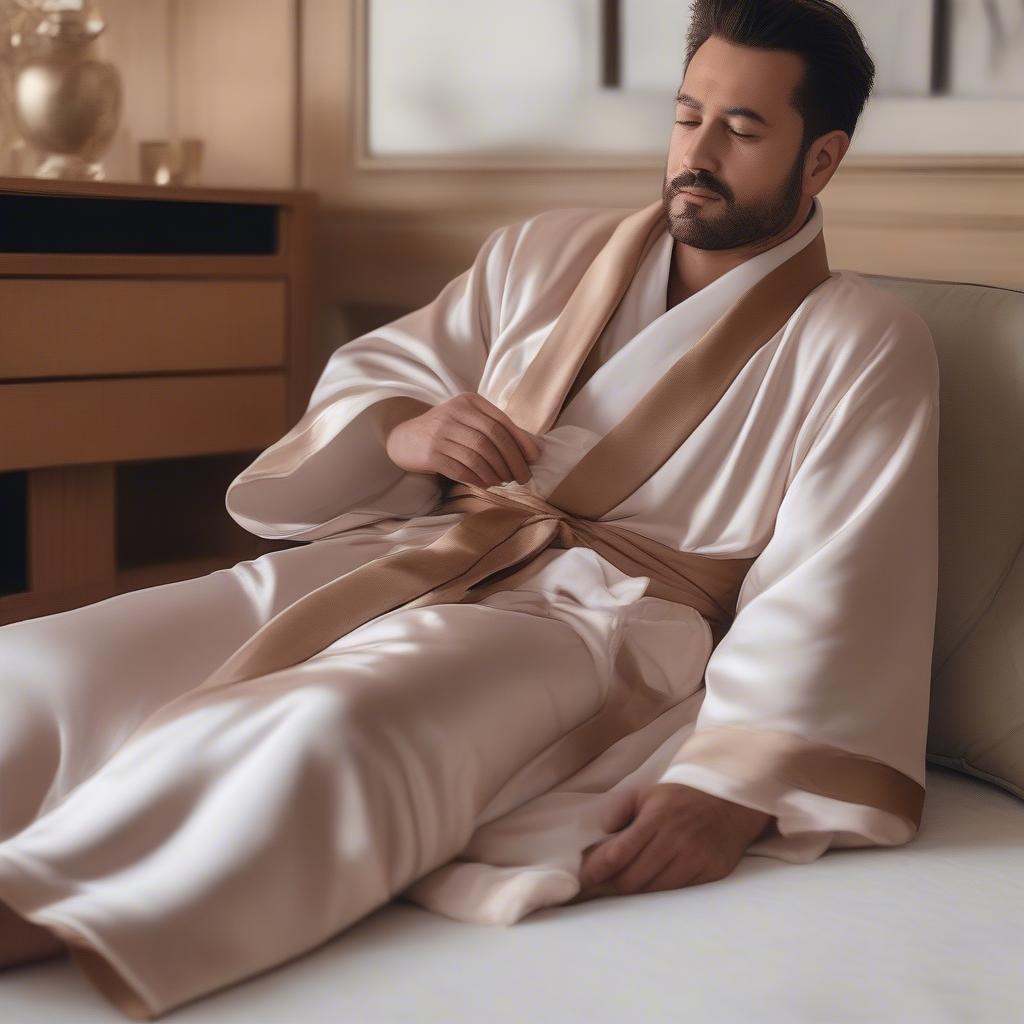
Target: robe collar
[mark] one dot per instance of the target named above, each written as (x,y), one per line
(622,380)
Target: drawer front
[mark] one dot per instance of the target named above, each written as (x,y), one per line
(69,327)
(71,422)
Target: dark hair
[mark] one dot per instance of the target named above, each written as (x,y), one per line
(839,72)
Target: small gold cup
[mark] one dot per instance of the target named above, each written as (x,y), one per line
(163,163)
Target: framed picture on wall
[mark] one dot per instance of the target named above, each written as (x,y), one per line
(920,47)
(540,82)
(900,38)
(987,51)
(645,40)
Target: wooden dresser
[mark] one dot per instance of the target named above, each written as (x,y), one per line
(152,342)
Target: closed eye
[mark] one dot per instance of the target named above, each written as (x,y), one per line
(736,133)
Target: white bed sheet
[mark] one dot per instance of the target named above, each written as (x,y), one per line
(930,932)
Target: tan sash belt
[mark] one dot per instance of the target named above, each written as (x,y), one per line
(501,533)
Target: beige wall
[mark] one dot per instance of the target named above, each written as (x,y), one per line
(220,70)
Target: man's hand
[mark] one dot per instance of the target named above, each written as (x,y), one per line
(677,836)
(467,439)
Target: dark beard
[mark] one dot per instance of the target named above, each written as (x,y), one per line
(739,225)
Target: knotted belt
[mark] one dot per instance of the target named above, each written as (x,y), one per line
(502,532)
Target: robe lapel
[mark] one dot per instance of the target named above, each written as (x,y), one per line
(602,393)
(541,391)
(640,443)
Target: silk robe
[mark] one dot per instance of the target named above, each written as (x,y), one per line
(819,462)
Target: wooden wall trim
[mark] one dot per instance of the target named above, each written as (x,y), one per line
(950,223)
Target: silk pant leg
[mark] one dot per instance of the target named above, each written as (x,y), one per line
(273,814)
(74,684)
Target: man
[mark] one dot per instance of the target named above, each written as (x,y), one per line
(550,641)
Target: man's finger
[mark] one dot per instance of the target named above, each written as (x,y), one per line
(455,469)
(527,442)
(678,873)
(475,449)
(647,864)
(495,435)
(615,854)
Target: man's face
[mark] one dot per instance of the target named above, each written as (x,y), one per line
(753,170)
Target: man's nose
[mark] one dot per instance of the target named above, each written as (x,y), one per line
(701,157)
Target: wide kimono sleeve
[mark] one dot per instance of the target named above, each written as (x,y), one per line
(330,472)
(816,702)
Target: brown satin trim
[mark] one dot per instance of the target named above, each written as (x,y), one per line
(436,573)
(640,444)
(745,753)
(710,585)
(540,392)
(591,365)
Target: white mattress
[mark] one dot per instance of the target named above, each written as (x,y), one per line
(929,932)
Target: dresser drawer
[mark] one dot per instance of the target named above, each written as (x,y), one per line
(70,422)
(69,327)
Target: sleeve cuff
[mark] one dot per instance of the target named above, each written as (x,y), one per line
(820,796)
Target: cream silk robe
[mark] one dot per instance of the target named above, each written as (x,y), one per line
(406,759)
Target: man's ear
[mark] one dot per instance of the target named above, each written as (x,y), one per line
(823,159)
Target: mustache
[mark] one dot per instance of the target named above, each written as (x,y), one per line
(682,183)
